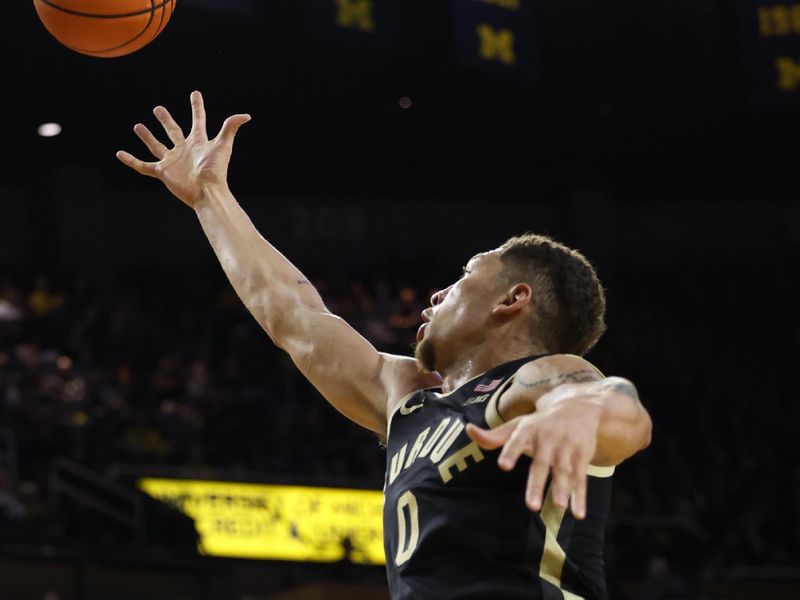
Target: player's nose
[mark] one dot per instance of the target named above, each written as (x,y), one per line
(439,296)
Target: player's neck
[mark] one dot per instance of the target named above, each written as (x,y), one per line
(476,360)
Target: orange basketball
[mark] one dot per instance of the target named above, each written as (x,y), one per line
(105,28)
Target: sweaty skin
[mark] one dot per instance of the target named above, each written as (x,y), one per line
(558,408)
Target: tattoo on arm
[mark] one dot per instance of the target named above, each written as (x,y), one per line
(303,282)
(622,386)
(581,376)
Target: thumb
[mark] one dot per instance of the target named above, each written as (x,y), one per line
(489,439)
(230,127)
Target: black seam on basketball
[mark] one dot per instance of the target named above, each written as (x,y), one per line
(161,19)
(163,22)
(95,16)
(100,53)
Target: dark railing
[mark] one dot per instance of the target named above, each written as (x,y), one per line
(99,494)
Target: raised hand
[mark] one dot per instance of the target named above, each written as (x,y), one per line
(562,442)
(194,161)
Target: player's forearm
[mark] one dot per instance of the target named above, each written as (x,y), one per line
(269,285)
(624,424)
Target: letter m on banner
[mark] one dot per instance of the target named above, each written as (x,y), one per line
(788,70)
(355,13)
(496,44)
(497,35)
(363,22)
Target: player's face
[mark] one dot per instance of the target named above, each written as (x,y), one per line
(460,314)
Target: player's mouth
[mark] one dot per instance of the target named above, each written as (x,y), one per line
(421,332)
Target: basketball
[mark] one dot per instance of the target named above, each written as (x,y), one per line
(105,28)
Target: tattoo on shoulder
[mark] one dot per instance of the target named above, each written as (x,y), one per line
(623,386)
(581,376)
(303,282)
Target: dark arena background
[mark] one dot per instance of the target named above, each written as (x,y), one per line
(155,444)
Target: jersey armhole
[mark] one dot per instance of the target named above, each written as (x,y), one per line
(398,406)
(491,414)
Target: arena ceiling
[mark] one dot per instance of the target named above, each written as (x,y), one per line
(628,95)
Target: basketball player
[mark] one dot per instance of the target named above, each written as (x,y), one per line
(501,440)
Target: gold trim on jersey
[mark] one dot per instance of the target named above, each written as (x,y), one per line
(491,414)
(553,555)
(601,472)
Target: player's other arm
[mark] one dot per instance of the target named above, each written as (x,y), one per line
(351,374)
(553,382)
(562,412)
(624,425)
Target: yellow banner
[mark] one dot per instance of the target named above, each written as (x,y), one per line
(280,522)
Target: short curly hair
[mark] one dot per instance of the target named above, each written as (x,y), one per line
(569,298)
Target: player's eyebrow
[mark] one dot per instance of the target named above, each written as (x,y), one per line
(471,262)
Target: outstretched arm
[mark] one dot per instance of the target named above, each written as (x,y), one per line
(566,416)
(357,379)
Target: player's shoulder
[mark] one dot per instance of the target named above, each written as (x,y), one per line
(403,376)
(536,377)
(569,368)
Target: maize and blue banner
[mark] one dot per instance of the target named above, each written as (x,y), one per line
(771,49)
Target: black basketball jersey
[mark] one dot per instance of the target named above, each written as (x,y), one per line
(456,525)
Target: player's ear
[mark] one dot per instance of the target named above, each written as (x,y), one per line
(514,300)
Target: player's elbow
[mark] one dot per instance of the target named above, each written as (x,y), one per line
(620,441)
(645,428)
(632,414)
(639,437)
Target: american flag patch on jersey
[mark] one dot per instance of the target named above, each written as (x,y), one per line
(488,387)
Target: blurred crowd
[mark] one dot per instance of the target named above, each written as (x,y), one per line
(147,369)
